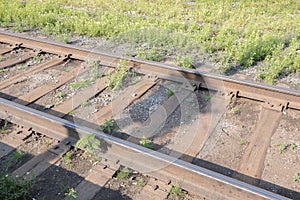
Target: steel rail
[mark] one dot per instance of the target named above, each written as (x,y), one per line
(274,97)
(193,178)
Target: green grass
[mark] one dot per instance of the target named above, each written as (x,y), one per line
(109,125)
(281,147)
(186,61)
(244,142)
(3,70)
(170,92)
(14,188)
(176,190)
(116,77)
(68,159)
(90,144)
(296,178)
(14,159)
(61,95)
(146,143)
(4,127)
(82,83)
(123,173)
(71,194)
(234,34)
(234,110)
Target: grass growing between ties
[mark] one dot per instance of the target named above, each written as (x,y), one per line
(123,173)
(91,145)
(71,194)
(4,127)
(14,188)
(109,125)
(146,143)
(175,191)
(15,158)
(296,178)
(116,77)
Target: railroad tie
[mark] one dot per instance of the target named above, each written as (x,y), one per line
(15,61)
(10,142)
(22,76)
(6,49)
(41,162)
(201,129)
(72,103)
(97,178)
(126,98)
(155,190)
(43,90)
(252,164)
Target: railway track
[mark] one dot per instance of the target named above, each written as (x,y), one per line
(197,121)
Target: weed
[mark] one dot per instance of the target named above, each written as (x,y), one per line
(22,67)
(244,142)
(109,125)
(14,159)
(281,147)
(293,146)
(85,103)
(37,57)
(90,144)
(71,194)
(61,95)
(153,55)
(234,110)
(186,61)
(1,58)
(146,143)
(68,159)
(3,129)
(206,98)
(141,182)
(80,84)
(296,178)
(116,78)
(247,33)
(123,173)
(170,92)
(72,112)
(176,190)
(14,188)
(3,70)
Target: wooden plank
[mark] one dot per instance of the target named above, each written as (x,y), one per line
(155,190)
(254,157)
(43,90)
(40,163)
(6,50)
(125,99)
(94,182)
(201,129)
(15,61)
(82,96)
(10,142)
(22,76)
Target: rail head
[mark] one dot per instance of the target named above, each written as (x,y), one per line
(273,96)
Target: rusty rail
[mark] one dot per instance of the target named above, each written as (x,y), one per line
(194,178)
(272,96)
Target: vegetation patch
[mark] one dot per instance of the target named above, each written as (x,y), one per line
(233,34)
(146,143)
(91,145)
(14,188)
